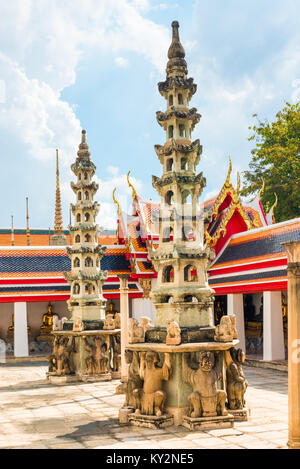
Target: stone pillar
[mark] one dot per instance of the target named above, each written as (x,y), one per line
(235,305)
(273,327)
(20,330)
(124,310)
(293,252)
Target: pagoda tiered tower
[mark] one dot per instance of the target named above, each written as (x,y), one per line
(182,292)
(86,277)
(87,346)
(182,370)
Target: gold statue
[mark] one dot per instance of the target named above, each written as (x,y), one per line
(11,329)
(47,320)
(111,310)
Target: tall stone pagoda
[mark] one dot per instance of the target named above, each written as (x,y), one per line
(182,292)
(86,277)
(182,370)
(87,346)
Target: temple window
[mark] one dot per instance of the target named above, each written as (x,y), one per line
(188,233)
(167,234)
(180,99)
(183,164)
(169,165)
(78,217)
(86,217)
(188,299)
(76,289)
(171,100)
(87,238)
(169,198)
(181,130)
(186,197)
(76,262)
(77,238)
(85,175)
(190,273)
(89,288)
(86,195)
(168,274)
(88,262)
(170,131)
(79,195)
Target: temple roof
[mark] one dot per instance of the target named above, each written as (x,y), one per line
(255,260)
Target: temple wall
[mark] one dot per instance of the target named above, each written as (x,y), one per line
(6,311)
(143,307)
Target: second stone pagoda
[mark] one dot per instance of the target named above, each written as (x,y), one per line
(184,370)
(86,347)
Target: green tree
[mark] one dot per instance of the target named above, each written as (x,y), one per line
(276,158)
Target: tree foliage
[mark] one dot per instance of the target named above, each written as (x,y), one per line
(276,158)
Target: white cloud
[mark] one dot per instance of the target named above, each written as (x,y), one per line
(107,216)
(121,62)
(41,46)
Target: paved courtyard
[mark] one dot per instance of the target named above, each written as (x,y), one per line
(35,414)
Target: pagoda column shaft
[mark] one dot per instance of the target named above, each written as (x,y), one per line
(20,330)
(293,250)
(124,310)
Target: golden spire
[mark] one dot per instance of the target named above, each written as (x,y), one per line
(262,188)
(273,206)
(58,228)
(130,185)
(27,224)
(227,182)
(116,202)
(238,183)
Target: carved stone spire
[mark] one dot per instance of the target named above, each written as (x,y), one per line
(176,65)
(58,238)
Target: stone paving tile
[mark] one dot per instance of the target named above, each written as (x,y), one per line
(36,414)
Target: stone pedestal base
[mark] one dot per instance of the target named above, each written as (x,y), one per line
(150,421)
(208,423)
(124,413)
(55,379)
(240,415)
(94,378)
(45,338)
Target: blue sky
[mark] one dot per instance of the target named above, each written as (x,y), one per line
(95,64)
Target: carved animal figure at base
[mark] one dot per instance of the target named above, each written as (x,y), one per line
(173,333)
(136,333)
(235,378)
(205,400)
(78,325)
(146,324)
(97,360)
(61,361)
(134,381)
(225,331)
(109,322)
(58,324)
(151,399)
(118,321)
